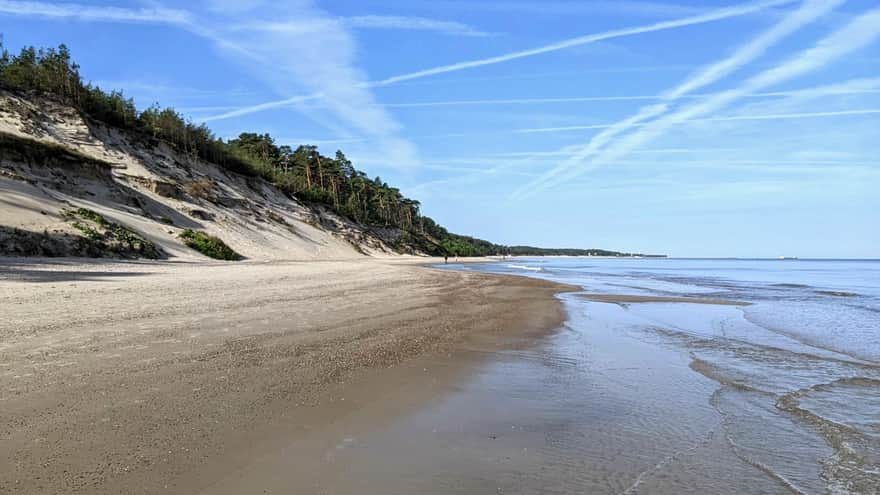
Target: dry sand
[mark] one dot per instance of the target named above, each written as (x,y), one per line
(162,377)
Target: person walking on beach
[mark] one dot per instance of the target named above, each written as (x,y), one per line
(446,259)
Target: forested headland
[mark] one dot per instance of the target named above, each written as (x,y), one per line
(301,172)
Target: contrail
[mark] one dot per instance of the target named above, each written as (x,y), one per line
(518,101)
(592,38)
(570,152)
(716,15)
(262,106)
(777,116)
(809,11)
(856,34)
(868,85)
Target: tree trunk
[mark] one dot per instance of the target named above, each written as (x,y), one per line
(320,170)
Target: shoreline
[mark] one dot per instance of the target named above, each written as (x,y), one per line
(133,377)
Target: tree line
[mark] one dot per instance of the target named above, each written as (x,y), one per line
(538,251)
(301,172)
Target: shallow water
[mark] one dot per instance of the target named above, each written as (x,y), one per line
(594,411)
(779,396)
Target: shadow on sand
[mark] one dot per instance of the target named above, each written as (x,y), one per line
(43,270)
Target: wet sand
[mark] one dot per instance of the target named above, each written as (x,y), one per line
(589,409)
(172,377)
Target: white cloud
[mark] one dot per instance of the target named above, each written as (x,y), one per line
(324,60)
(93,13)
(87,13)
(413,24)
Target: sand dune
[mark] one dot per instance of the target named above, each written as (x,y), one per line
(153,190)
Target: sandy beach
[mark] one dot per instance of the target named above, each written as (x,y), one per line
(147,377)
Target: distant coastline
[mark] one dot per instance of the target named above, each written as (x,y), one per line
(538,251)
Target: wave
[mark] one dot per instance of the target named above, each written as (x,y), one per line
(814,335)
(791,286)
(524,267)
(744,349)
(751,454)
(841,411)
(836,293)
(838,404)
(850,469)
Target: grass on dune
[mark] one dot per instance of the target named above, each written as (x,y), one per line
(210,246)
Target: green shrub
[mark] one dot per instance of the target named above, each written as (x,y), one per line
(110,238)
(87,214)
(209,245)
(88,231)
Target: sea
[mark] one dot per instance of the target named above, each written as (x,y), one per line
(776,393)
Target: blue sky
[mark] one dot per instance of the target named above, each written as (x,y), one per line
(702,128)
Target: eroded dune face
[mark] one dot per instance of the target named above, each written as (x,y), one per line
(54,163)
